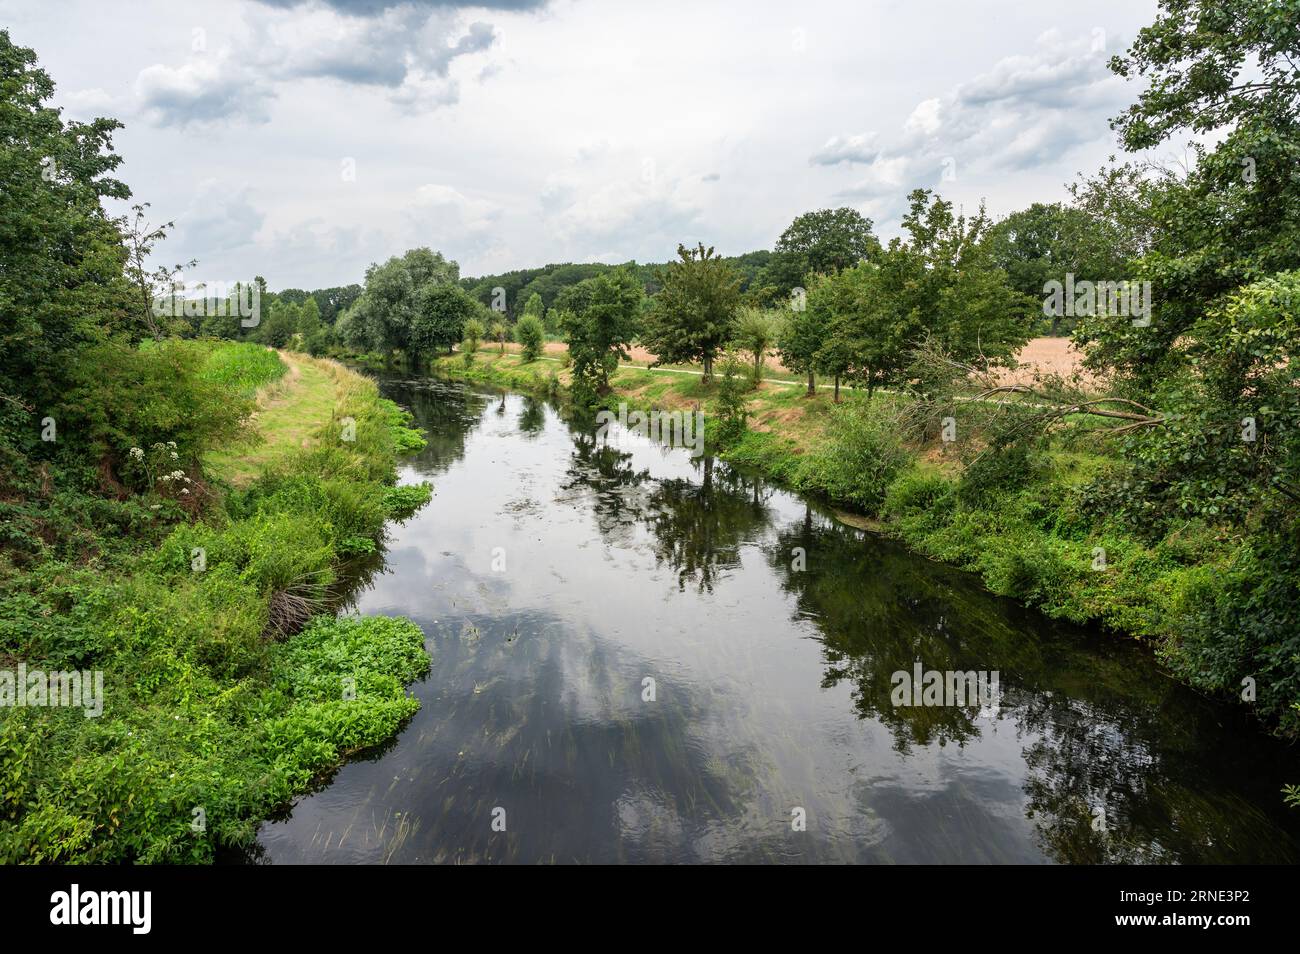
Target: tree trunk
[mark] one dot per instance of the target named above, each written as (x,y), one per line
(837,389)
(708,368)
(812,385)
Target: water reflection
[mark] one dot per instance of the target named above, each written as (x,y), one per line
(676,655)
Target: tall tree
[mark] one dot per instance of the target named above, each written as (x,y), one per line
(600,317)
(757,332)
(1047,241)
(1226,70)
(820,243)
(62,284)
(441,312)
(694,311)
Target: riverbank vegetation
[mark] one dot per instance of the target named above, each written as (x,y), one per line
(1154,489)
(185,497)
(188,584)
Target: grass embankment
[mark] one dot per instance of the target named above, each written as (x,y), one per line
(291,405)
(1020,523)
(222,699)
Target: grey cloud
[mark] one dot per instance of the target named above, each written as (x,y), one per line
(407,50)
(201,90)
(1027,111)
(371,8)
(847,149)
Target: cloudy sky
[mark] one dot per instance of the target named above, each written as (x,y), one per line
(303,139)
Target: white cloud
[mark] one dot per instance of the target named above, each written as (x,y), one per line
(404,49)
(1027,111)
(207,87)
(544,163)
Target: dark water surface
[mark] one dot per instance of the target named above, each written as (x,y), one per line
(623,561)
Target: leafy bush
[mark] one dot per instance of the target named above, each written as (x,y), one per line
(401,502)
(124,397)
(860,459)
(531,336)
(915,490)
(732,413)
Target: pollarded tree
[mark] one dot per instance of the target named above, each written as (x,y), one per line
(757,332)
(600,317)
(531,337)
(497,332)
(694,312)
(473,332)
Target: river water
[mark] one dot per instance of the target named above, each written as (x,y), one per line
(640,656)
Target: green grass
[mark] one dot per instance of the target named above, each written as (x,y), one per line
(243,367)
(289,413)
(212,717)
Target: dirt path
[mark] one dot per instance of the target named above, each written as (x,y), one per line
(290,410)
(1049,355)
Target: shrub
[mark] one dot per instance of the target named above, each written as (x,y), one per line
(860,459)
(531,336)
(915,490)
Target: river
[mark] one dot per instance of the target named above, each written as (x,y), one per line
(640,656)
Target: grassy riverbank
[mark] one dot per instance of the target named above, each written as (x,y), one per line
(204,600)
(1023,524)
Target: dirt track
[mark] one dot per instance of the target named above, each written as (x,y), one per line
(1053,355)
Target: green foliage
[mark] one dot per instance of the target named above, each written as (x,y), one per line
(62,286)
(599,319)
(804,332)
(497,331)
(916,491)
(732,413)
(1047,241)
(693,314)
(403,501)
(123,787)
(473,332)
(531,337)
(242,368)
(202,706)
(817,243)
(443,313)
(123,397)
(757,331)
(862,457)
